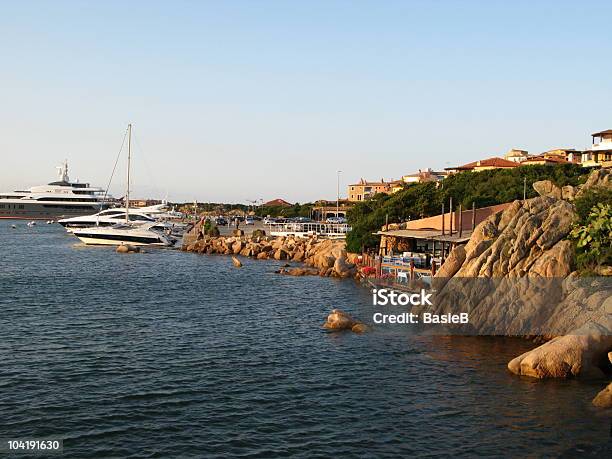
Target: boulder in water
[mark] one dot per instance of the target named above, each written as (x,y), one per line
(127,248)
(604,398)
(236,262)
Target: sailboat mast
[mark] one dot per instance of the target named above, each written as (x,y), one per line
(127,194)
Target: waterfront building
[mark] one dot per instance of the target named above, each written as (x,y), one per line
(365,190)
(324,209)
(432,238)
(600,153)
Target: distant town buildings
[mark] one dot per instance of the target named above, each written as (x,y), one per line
(145,202)
(598,155)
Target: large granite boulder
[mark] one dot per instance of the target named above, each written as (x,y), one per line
(547,188)
(583,352)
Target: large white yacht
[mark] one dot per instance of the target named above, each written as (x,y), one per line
(59,199)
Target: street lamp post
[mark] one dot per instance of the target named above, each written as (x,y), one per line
(338,195)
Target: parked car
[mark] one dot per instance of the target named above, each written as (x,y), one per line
(269,220)
(249,221)
(221,221)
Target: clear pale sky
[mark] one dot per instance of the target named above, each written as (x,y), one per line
(236,100)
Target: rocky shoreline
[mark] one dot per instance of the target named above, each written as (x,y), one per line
(322,257)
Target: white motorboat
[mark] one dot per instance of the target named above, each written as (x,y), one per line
(109,217)
(112,217)
(127,232)
(124,234)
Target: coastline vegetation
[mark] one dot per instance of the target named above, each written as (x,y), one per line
(482,189)
(592,233)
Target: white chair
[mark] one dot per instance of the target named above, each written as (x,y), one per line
(402,275)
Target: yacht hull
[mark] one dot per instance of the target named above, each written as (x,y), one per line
(39,211)
(131,240)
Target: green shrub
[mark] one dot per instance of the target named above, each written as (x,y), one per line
(594,238)
(210,229)
(589,199)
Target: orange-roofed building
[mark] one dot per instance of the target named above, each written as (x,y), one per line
(278,202)
(485,164)
(543,160)
(364,189)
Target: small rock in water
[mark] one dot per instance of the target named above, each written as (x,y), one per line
(236,262)
(127,248)
(340,320)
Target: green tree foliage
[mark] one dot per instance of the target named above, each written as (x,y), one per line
(296,210)
(590,198)
(591,233)
(420,200)
(594,238)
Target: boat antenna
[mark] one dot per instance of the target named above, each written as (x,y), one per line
(127,193)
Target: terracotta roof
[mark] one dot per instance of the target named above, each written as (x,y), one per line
(489,162)
(366,183)
(535,159)
(278,202)
(597,134)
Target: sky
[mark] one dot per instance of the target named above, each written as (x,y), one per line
(245,100)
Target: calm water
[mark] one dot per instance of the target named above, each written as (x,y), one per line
(169,354)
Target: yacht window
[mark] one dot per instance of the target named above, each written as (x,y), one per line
(140,218)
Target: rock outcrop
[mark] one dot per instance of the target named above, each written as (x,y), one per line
(515,277)
(597,178)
